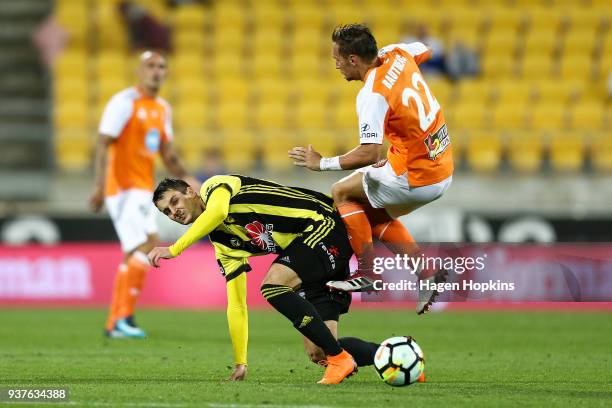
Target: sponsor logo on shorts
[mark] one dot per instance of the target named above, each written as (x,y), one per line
(285,259)
(436,143)
(332,252)
(261,236)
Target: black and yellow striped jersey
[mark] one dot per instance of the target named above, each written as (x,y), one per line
(265,217)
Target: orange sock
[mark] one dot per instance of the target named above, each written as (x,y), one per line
(137,267)
(118,288)
(358,227)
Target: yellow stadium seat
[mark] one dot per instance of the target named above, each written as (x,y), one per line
(238,150)
(601,151)
(441,89)
(272,90)
(509,92)
(305,65)
(468,35)
(474,91)
(236,89)
(504,18)
(73,17)
(271,116)
(308,41)
(228,14)
(228,39)
(73,149)
(311,115)
(69,114)
(262,66)
(548,116)
(232,114)
(509,116)
(268,41)
(189,65)
(499,42)
(227,65)
(566,151)
(111,64)
(275,145)
(544,17)
(536,67)
(579,43)
(189,40)
(192,116)
(548,90)
(576,68)
(540,42)
(312,90)
(192,90)
(470,115)
(71,64)
(307,16)
(189,16)
(483,151)
(587,116)
(343,13)
(585,18)
(525,151)
(344,115)
(323,140)
(71,89)
(498,66)
(268,14)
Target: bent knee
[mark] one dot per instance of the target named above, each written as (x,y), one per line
(339,192)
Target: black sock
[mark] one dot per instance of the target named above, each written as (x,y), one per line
(361,350)
(303,315)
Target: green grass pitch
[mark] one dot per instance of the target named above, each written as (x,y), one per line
(521,358)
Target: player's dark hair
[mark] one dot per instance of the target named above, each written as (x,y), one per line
(169,184)
(355,39)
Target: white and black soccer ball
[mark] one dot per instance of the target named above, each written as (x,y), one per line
(399,361)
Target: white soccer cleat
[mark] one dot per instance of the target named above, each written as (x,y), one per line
(129,331)
(355,284)
(428,296)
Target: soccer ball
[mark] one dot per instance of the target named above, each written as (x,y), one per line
(399,361)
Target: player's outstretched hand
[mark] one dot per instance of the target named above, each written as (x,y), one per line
(306,157)
(158,253)
(96,200)
(239,374)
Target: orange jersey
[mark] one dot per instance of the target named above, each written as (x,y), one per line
(396,103)
(140,124)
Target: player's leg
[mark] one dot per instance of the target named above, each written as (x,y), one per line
(133,217)
(314,352)
(278,289)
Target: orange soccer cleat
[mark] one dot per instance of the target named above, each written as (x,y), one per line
(338,368)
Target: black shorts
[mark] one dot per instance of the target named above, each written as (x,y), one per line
(328,259)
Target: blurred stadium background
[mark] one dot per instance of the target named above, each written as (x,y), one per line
(250,79)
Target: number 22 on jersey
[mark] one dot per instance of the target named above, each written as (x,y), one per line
(425,118)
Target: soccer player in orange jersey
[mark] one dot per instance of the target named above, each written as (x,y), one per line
(395,104)
(135,126)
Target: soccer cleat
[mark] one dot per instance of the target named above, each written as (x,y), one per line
(338,368)
(123,326)
(357,283)
(113,334)
(428,296)
(421,378)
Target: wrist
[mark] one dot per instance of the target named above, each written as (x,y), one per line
(330,163)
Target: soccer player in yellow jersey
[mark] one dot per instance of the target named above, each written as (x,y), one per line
(246,217)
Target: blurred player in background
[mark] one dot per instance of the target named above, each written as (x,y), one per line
(395,103)
(135,126)
(246,217)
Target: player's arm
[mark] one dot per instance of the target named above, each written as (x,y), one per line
(114,118)
(372,110)
(419,51)
(238,323)
(217,208)
(96,200)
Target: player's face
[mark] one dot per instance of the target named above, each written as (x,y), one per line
(152,70)
(179,207)
(344,65)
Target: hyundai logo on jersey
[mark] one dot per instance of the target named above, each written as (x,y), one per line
(152,140)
